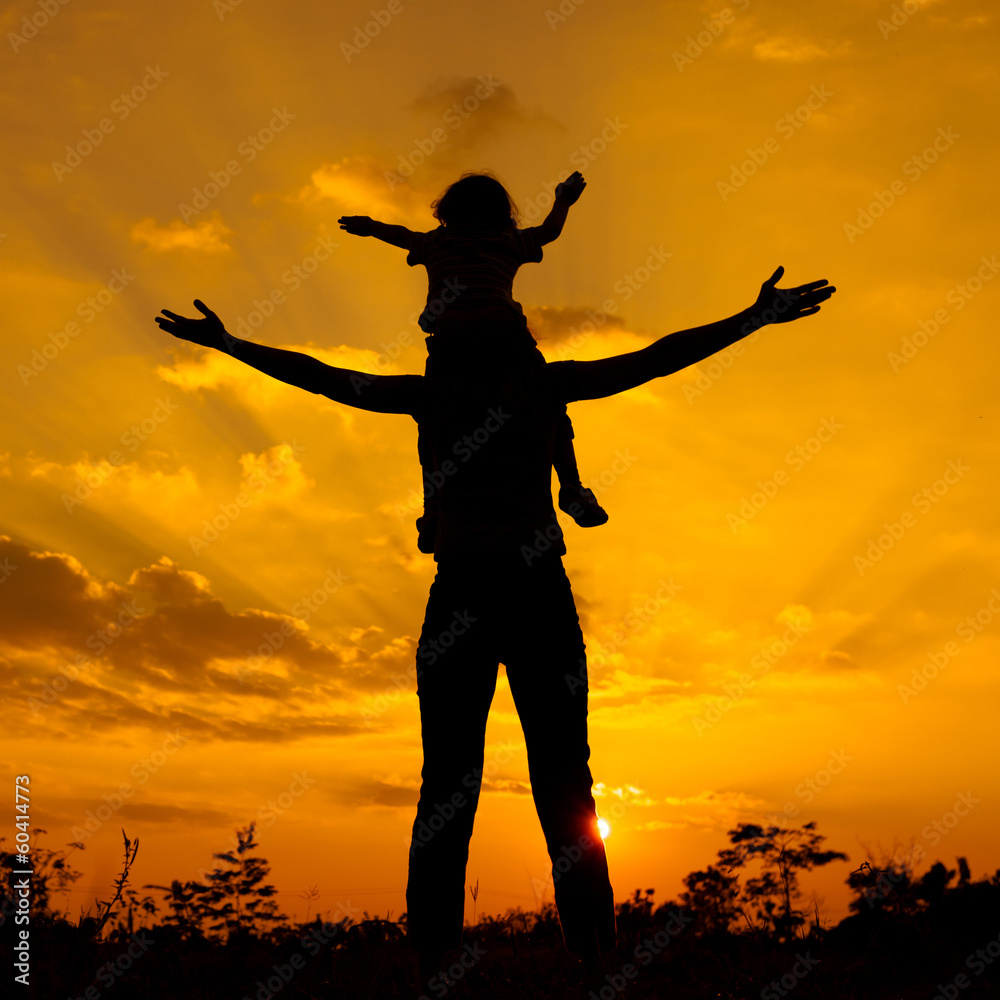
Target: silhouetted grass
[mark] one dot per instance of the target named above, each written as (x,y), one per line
(725,937)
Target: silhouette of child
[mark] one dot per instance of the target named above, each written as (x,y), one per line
(471,260)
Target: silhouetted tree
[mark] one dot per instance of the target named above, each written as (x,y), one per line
(712,897)
(886,889)
(232,900)
(783,854)
(236,899)
(52,874)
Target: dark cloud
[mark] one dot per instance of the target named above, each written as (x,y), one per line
(90,656)
(471,109)
(553,325)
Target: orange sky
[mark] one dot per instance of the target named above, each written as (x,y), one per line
(796,528)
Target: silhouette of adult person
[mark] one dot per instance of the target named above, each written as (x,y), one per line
(500,594)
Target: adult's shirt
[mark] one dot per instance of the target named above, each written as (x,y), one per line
(490,434)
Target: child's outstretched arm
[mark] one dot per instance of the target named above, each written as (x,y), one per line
(567,194)
(380,393)
(361,225)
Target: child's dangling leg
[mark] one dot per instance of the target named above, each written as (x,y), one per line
(427,523)
(574,498)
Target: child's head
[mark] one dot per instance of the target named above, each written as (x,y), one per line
(476,199)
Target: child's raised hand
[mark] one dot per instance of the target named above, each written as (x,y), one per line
(571,188)
(356,225)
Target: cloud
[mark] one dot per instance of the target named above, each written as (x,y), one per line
(363,185)
(390,793)
(469,110)
(206,237)
(710,809)
(555,325)
(796,49)
(92,656)
(393,792)
(72,809)
(215,370)
(165,582)
(451,121)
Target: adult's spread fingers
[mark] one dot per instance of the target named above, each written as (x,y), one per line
(809,286)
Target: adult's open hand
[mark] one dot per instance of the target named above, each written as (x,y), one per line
(782,305)
(209,331)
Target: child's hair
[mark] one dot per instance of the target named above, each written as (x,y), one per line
(477,199)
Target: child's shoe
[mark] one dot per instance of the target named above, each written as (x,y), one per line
(581,505)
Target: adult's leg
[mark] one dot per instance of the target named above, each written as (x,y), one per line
(546,668)
(456,678)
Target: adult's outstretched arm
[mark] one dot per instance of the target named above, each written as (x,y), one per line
(379,393)
(608,376)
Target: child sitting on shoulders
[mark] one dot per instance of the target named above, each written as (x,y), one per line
(471,261)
